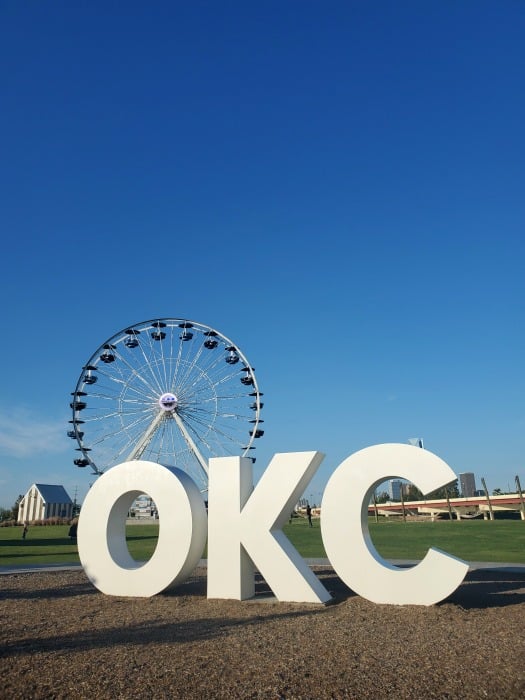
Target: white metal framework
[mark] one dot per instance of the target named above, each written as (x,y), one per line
(171,391)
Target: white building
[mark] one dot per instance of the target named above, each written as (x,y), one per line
(467,484)
(394,489)
(44,501)
(143,507)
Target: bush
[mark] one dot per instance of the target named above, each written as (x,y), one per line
(45,522)
(8,523)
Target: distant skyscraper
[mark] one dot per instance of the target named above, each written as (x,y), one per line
(467,484)
(394,489)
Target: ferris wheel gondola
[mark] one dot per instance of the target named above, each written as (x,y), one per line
(172,391)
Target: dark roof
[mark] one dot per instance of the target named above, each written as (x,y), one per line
(53,494)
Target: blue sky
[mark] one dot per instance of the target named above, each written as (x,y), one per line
(336,186)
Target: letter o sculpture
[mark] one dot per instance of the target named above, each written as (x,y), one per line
(101,533)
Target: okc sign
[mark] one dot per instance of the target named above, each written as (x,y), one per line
(244,524)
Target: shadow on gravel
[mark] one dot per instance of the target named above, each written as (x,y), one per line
(337,589)
(483,588)
(180,632)
(60,591)
(487,588)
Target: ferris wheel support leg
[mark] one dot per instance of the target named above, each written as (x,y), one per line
(142,444)
(190,442)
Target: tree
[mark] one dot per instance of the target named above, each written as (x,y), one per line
(382,497)
(414,494)
(497,492)
(14,509)
(451,490)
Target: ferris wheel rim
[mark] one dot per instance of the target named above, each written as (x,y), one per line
(131,332)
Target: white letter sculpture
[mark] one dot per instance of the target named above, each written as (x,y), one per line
(347,540)
(102,543)
(245,528)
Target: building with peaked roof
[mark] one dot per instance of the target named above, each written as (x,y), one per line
(44,501)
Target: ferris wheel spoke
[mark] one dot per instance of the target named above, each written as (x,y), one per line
(189,374)
(169,390)
(133,375)
(206,368)
(201,439)
(161,365)
(137,396)
(118,452)
(202,424)
(125,432)
(178,363)
(198,420)
(203,381)
(145,371)
(200,385)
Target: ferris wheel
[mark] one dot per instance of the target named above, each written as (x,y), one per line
(170,391)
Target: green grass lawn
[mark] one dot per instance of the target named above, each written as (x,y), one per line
(472,540)
(51,545)
(43,545)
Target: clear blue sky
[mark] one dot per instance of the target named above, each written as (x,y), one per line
(337,186)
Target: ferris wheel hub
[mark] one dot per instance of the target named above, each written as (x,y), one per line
(168,401)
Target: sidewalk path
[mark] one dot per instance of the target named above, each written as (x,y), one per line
(473,566)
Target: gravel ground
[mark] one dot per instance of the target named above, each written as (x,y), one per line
(61,638)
